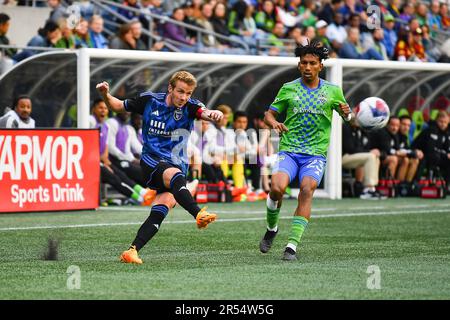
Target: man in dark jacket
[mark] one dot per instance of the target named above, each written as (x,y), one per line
(387,141)
(357,155)
(434,141)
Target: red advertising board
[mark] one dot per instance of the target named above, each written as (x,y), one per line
(49,170)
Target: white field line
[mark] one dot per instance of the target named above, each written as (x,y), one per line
(407,206)
(322,216)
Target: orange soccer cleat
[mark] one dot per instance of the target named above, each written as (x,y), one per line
(130,256)
(149,197)
(204,218)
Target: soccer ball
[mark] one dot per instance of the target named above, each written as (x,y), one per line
(372,113)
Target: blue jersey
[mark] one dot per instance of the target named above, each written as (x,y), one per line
(165,129)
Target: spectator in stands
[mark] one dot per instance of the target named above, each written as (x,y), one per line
(434,18)
(275,40)
(4,27)
(305,14)
(435,144)
(169,6)
(82,36)
(352,49)
(336,32)
(124,39)
(408,12)
(247,149)
(415,49)
(189,19)
(390,35)
(422,13)
(208,39)
(394,8)
(354,21)
(109,173)
(47,37)
(351,7)
(266,151)
(432,51)
(220,23)
(375,41)
(357,155)
(20,115)
(200,147)
(223,147)
(328,10)
(197,10)
(58,10)
(179,33)
(128,13)
(67,40)
(414,156)
(241,23)
(86,8)
(124,147)
(266,17)
(136,31)
(387,141)
(296,34)
(96,32)
(309,33)
(445,18)
(321,36)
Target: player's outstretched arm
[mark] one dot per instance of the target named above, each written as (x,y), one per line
(271,121)
(212,115)
(112,102)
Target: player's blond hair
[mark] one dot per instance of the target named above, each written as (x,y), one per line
(183,76)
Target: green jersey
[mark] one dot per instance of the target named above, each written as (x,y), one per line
(308,115)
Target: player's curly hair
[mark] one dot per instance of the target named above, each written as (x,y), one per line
(315,48)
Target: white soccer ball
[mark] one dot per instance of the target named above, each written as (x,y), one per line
(372,113)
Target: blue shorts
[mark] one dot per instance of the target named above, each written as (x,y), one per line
(301,165)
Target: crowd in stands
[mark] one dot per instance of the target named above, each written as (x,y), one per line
(404,151)
(397,30)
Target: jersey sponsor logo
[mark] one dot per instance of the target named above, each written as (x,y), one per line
(304,110)
(178,114)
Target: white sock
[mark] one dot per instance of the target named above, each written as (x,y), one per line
(143,191)
(275,229)
(272,205)
(292,246)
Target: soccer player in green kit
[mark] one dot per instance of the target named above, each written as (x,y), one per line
(308,103)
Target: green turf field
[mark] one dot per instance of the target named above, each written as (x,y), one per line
(408,239)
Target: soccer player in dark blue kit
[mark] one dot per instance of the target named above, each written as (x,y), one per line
(166,118)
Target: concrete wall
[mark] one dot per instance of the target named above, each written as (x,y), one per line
(25,22)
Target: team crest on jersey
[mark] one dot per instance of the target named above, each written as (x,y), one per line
(322,99)
(178,114)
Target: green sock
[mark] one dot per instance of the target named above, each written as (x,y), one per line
(137,188)
(299,225)
(136,196)
(272,217)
